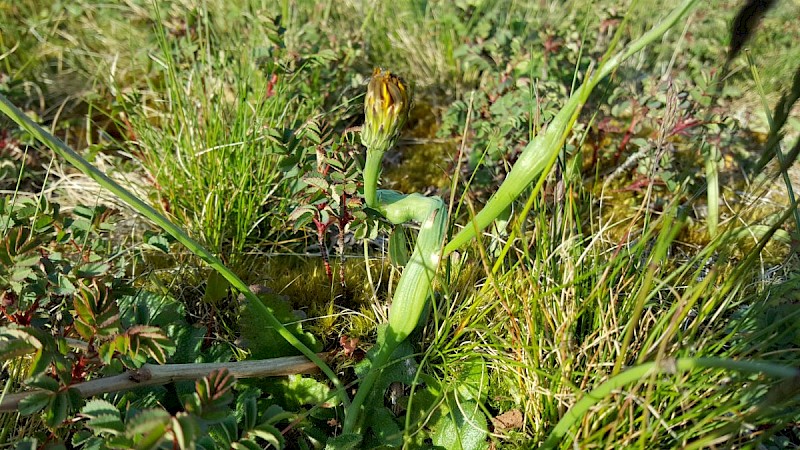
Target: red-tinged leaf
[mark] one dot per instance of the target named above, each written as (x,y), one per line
(84,305)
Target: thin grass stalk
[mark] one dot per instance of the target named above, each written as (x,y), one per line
(644,371)
(773,130)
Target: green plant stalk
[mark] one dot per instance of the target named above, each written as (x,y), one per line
(372,172)
(644,371)
(414,286)
(534,158)
(712,187)
(148,211)
(774,131)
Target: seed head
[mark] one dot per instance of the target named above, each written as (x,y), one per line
(386,109)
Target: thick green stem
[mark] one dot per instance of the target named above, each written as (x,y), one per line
(148,211)
(372,172)
(413,289)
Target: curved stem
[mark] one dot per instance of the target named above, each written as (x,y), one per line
(413,289)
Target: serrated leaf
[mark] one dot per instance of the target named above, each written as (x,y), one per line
(213,396)
(97,407)
(106,423)
(147,421)
(34,403)
(146,339)
(317,182)
(16,342)
(248,411)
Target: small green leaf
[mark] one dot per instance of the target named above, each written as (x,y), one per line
(98,407)
(157,241)
(246,444)
(216,288)
(344,442)
(106,423)
(43,381)
(92,270)
(57,409)
(270,434)
(27,444)
(185,430)
(34,403)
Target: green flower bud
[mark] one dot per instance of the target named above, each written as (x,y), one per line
(386,109)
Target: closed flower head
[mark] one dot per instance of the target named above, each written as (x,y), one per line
(386,109)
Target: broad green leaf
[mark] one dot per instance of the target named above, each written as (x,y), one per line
(296,391)
(265,342)
(473,380)
(384,427)
(462,428)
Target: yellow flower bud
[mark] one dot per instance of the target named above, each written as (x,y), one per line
(386,109)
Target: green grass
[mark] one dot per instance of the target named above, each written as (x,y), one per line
(598,279)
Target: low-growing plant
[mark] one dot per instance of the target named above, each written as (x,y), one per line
(632,309)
